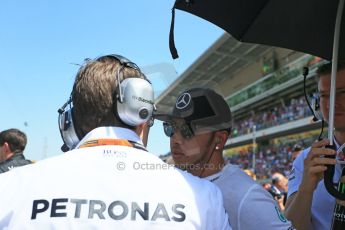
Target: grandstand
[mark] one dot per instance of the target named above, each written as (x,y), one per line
(264,87)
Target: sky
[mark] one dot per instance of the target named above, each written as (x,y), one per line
(41,42)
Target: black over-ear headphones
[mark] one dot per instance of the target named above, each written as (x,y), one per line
(315,100)
(315,105)
(134,103)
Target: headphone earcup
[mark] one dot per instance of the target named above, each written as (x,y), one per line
(137,105)
(315,105)
(67,130)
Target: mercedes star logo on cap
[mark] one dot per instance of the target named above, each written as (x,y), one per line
(183,101)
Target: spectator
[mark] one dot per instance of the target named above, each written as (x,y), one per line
(280,182)
(12,145)
(309,205)
(198,127)
(108,180)
(280,185)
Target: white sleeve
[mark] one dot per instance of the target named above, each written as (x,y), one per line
(296,174)
(218,214)
(258,210)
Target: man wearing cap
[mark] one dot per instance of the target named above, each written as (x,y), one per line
(199,127)
(280,188)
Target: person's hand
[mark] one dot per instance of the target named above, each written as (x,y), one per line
(280,202)
(315,164)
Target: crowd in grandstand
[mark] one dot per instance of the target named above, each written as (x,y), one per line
(296,109)
(268,160)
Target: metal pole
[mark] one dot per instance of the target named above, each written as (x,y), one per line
(334,70)
(254,144)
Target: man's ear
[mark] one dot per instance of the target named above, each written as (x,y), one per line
(7,150)
(221,138)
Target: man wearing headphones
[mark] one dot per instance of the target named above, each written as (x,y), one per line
(199,127)
(108,180)
(309,205)
(12,145)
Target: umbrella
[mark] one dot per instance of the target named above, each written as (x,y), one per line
(302,25)
(309,26)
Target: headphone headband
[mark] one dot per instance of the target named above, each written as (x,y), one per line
(125,62)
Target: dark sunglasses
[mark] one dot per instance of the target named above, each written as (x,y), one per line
(170,128)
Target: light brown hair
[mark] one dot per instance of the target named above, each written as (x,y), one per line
(95,93)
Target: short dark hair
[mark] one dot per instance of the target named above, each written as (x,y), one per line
(15,138)
(297,147)
(95,92)
(275,180)
(327,67)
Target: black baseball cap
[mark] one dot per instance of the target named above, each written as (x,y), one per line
(204,109)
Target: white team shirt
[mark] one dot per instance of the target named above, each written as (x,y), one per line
(248,204)
(323,203)
(108,187)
